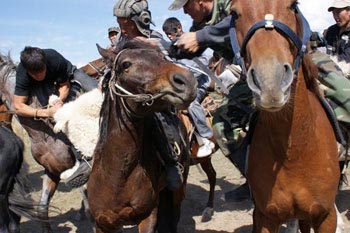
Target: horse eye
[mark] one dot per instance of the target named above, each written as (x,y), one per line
(294,5)
(234,14)
(125,65)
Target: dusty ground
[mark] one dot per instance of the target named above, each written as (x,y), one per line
(228,217)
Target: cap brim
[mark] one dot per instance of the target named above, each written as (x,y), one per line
(340,6)
(176,6)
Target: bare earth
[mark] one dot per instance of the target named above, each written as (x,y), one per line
(228,216)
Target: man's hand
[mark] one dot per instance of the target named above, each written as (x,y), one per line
(52,110)
(188,42)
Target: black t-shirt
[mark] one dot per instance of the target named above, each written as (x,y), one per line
(58,70)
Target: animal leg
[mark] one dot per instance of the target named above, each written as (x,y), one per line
(48,189)
(148,224)
(208,168)
(84,211)
(305,226)
(261,224)
(328,224)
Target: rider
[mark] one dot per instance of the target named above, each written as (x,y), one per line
(173,29)
(211,21)
(134,20)
(113,34)
(49,71)
(337,36)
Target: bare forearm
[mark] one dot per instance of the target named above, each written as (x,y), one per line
(63,91)
(28,111)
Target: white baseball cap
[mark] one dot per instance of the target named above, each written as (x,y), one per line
(177,4)
(339,4)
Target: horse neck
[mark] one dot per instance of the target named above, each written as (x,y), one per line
(121,145)
(294,120)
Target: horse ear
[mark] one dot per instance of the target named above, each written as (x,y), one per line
(107,55)
(104,52)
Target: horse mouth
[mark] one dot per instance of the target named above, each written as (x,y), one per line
(178,100)
(271,103)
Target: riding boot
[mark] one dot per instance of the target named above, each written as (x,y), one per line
(79,174)
(86,82)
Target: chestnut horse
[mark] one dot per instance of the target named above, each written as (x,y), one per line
(293,166)
(95,69)
(127,182)
(52,151)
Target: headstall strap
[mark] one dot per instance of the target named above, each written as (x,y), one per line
(269,24)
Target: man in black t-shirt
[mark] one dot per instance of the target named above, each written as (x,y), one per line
(48,71)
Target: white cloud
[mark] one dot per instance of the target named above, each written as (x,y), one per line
(316,13)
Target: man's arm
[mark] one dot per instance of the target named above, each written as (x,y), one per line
(63,91)
(209,35)
(23,109)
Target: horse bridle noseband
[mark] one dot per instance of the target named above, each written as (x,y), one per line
(269,24)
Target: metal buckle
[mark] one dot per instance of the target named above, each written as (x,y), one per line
(269,21)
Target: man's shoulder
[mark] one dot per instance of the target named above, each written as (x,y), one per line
(20,71)
(51,53)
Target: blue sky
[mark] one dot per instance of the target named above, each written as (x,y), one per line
(73,27)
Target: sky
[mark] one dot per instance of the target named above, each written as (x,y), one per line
(73,27)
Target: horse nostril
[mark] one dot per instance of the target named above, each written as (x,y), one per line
(179,80)
(255,80)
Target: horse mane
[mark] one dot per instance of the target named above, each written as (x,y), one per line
(310,71)
(6,67)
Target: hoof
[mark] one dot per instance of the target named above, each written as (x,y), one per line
(207,214)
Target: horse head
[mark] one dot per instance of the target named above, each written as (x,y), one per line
(7,80)
(146,80)
(272,40)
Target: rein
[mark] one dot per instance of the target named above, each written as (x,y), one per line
(270,24)
(7,112)
(99,71)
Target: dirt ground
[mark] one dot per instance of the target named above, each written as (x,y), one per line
(228,216)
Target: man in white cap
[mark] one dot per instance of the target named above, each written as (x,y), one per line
(337,36)
(210,28)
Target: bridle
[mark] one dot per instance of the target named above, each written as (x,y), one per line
(99,71)
(270,24)
(116,89)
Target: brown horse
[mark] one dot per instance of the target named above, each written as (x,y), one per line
(293,167)
(95,69)
(127,185)
(53,151)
